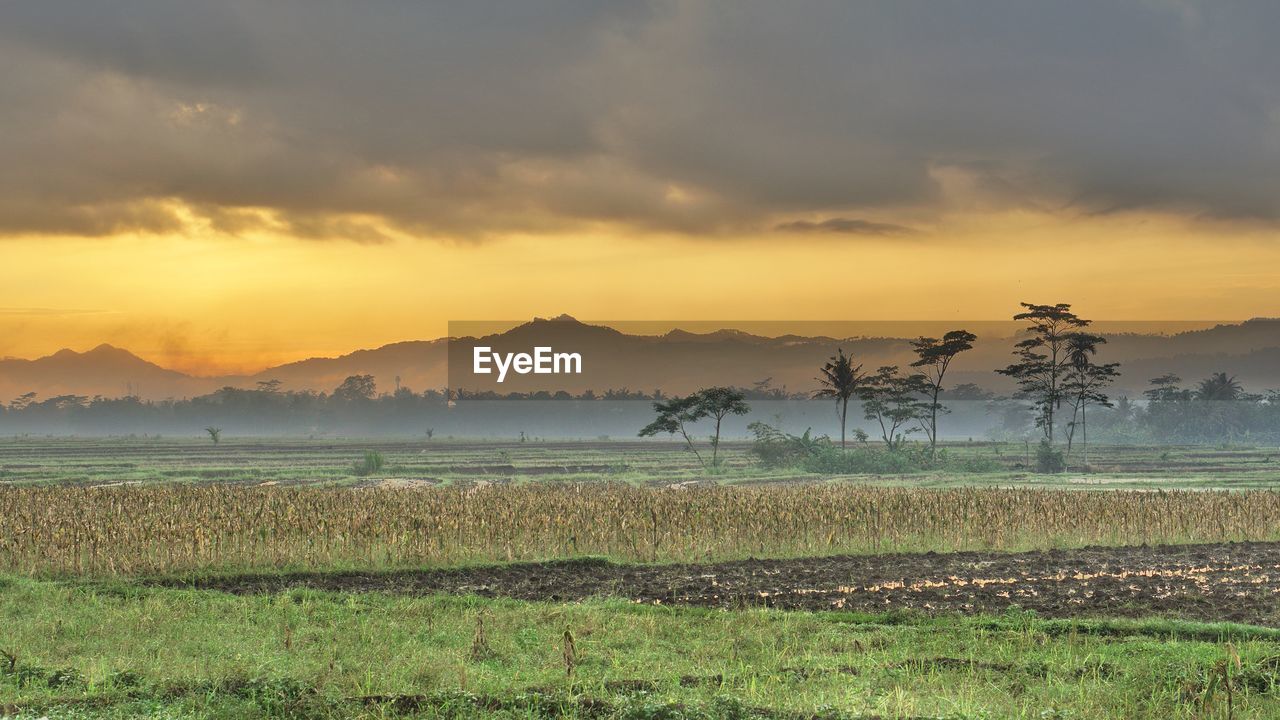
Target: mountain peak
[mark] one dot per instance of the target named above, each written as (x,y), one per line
(102,356)
(101,350)
(107,349)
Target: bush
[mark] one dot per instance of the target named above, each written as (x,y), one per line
(371,463)
(1049,460)
(776,449)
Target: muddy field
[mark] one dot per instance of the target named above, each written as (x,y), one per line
(1237,582)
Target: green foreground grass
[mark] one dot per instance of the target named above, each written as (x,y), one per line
(120,649)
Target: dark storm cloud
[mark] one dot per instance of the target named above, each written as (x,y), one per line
(460,119)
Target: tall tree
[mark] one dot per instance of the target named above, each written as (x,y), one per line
(935,356)
(893,401)
(1043,359)
(1084,385)
(841,380)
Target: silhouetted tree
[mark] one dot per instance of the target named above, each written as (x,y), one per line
(1220,399)
(1084,383)
(1218,387)
(22,401)
(1165,389)
(840,380)
(893,401)
(678,413)
(215,434)
(719,402)
(935,356)
(1043,360)
(355,388)
(65,402)
(675,416)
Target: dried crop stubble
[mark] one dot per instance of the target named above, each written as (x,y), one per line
(131,530)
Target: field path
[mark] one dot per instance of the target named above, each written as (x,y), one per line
(1220,582)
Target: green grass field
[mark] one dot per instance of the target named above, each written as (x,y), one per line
(121,650)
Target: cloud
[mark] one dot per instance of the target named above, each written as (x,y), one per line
(845,226)
(469,119)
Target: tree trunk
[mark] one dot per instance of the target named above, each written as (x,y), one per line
(1071,433)
(933,422)
(1084,438)
(688,441)
(844,413)
(715,444)
(1049,421)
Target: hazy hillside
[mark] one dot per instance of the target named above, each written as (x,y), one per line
(675,362)
(420,364)
(104,370)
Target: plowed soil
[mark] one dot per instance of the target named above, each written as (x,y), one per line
(1237,582)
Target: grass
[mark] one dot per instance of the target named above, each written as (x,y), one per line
(119,650)
(28,461)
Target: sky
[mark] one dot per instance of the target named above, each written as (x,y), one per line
(222,185)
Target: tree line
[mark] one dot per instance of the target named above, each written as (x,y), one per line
(1059,379)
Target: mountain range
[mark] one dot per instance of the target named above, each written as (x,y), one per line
(674,361)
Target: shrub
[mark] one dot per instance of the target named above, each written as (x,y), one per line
(1049,460)
(370,464)
(776,449)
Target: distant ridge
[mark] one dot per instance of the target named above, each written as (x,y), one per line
(104,370)
(673,361)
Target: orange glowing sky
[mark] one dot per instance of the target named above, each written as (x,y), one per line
(215,304)
(224,186)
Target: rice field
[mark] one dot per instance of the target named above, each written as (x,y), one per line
(137,460)
(186,528)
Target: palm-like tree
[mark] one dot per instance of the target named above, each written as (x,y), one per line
(1218,387)
(1084,384)
(840,380)
(1081,347)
